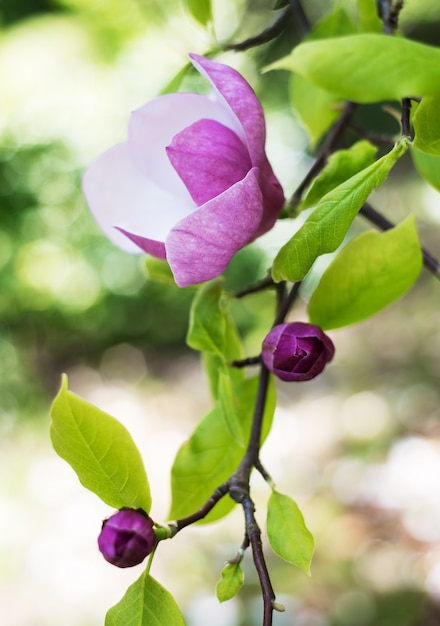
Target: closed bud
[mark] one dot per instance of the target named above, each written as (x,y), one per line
(297,351)
(127,537)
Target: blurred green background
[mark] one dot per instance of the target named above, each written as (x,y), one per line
(359,448)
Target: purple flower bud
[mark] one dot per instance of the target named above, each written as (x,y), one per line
(297,351)
(127,537)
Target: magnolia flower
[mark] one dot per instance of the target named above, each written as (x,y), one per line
(297,351)
(192,183)
(127,537)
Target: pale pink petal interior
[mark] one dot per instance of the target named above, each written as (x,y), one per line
(153,126)
(209,158)
(120,196)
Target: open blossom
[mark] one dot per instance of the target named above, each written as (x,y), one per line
(127,537)
(192,183)
(297,351)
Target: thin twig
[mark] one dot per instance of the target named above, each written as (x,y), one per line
(264,283)
(389,14)
(376,138)
(265,474)
(203,511)
(254,534)
(287,303)
(252,360)
(300,19)
(239,556)
(405,119)
(268,34)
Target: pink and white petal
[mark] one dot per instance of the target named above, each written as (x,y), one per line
(237,94)
(150,246)
(273,198)
(209,158)
(121,197)
(201,246)
(152,127)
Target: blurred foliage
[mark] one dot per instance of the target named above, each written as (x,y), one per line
(67,295)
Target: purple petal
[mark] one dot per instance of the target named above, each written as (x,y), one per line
(153,126)
(236,92)
(122,200)
(150,246)
(201,246)
(241,98)
(209,158)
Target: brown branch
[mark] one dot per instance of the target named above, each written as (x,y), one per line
(252,360)
(268,34)
(254,534)
(203,511)
(264,283)
(389,14)
(405,118)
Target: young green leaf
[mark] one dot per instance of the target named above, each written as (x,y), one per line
(229,407)
(211,455)
(207,321)
(426,122)
(215,363)
(173,85)
(100,450)
(201,10)
(287,533)
(341,166)
(325,229)
(372,271)
(157,269)
(317,108)
(231,581)
(367,67)
(428,167)
(369,21)
(145,603)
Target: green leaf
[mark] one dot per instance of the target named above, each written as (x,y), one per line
(372,271)
(287,533)
(207,321)
(341,166)
(211,455)
(201,10)
(229,407)
(159,270)
(428,167)
(367,67)
(317,108)
(100,450)
(232,351)
(325,229)
(173,85)
(231,581)
(426,122)
(145,603)
(369,21)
